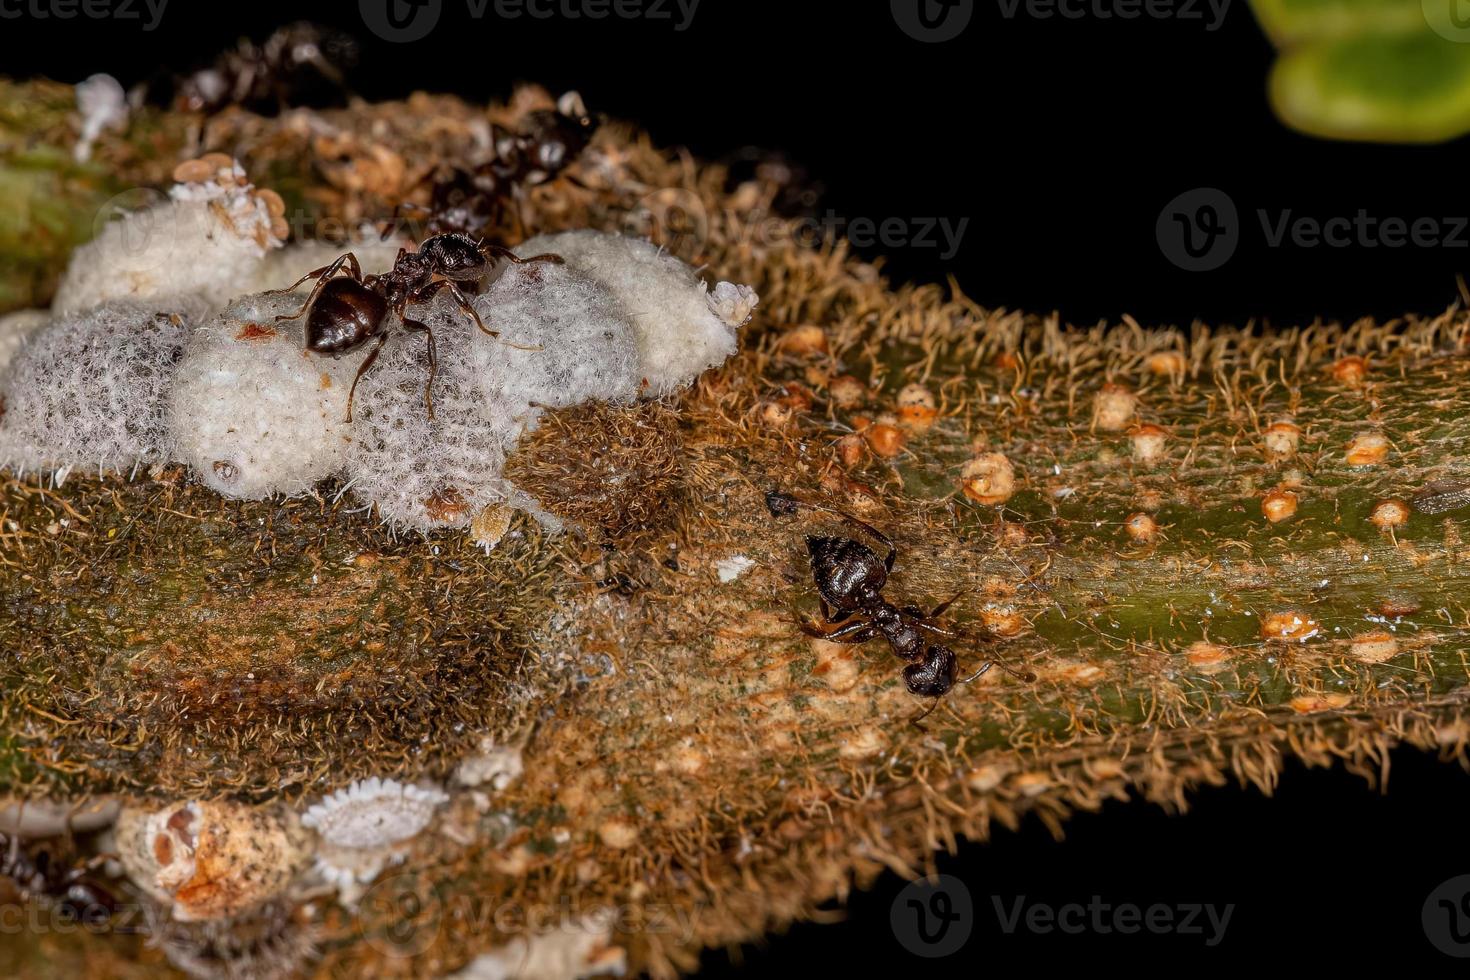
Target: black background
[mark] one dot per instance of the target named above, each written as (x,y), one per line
(1060,140)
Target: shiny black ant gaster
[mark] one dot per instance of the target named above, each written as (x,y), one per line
(850,579)
(345,312)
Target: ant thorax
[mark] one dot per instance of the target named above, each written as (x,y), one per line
(412,271)
(884,612)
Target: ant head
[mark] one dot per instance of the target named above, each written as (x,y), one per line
(453,256)
(933,676)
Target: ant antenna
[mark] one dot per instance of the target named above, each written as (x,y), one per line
(781,504)
(1024,676)
(983,668)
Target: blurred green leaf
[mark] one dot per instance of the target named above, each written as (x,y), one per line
(1392,71)
(1289,22)
(1408,88)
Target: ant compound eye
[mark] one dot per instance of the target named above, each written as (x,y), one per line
(226,470)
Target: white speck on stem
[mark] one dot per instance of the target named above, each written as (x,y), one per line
(733,567)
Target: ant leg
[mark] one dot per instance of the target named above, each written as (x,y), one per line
(935,630)
(433,289)
(827,611)
(417,327)
(924,714)
(516,212)
(855,631)
(327,271)
(314,274)
(362,369)
(322,276)
(939,609)
(467,307)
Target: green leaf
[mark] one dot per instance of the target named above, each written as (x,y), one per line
(1290,22)
(1403,88)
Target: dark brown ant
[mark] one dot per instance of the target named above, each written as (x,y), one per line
(471,201)
(282,70)
(345,312)
(40,874)
(850,578)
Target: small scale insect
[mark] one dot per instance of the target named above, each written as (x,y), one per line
(1442,496)
(345,312)
(850,578)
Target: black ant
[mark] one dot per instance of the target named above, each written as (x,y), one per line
(289,64)
(38,873)
(850,578)
(469,201)
(345,312)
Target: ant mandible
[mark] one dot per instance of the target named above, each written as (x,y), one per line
(345,312)
(850,578)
